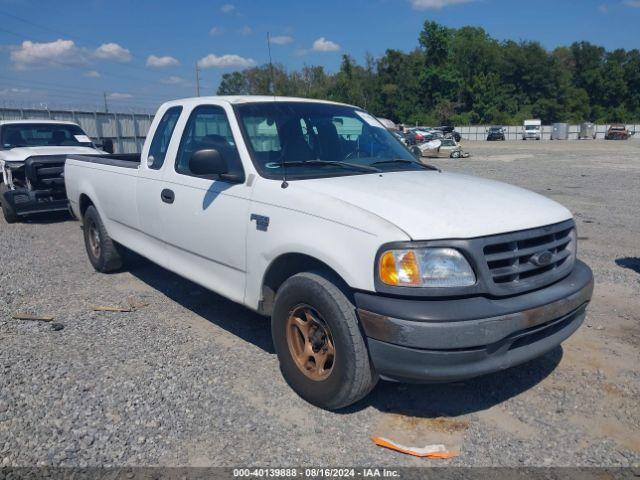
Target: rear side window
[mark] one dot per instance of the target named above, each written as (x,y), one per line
(207,128)
(162,137)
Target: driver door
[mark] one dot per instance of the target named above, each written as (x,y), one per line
(206,219)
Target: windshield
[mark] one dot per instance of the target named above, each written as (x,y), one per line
(43,135)
(532,127)
(309,138)
(495,129)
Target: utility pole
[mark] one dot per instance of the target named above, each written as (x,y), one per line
(197,80)
(106,106)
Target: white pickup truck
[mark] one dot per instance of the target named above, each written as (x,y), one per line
(32,154)
(370,264)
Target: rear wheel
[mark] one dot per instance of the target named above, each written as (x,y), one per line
(322,354)
(8,212)
(101,249)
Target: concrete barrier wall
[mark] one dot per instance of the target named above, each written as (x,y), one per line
(127,130)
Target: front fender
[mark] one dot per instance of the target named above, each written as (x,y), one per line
(349,251)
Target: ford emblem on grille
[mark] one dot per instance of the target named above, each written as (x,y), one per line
(542,259)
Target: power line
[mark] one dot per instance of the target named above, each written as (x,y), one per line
(104,72)
(89,43)
(65,34)
(63,88)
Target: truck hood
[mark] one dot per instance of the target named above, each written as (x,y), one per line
(430,205)
(20,154)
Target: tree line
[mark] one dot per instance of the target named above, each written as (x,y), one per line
(464,76)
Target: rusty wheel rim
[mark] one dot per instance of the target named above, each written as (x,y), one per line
(310,342)
(94,239)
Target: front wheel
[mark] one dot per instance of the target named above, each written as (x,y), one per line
(455,154)
(323,356)
(101,249)
(8,213)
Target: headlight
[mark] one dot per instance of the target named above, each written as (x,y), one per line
(425,267)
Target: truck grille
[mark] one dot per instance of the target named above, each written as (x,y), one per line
(530,256)
(46,172)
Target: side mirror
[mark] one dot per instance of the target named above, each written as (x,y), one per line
(208,162)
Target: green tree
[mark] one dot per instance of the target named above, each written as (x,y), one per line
(463,75)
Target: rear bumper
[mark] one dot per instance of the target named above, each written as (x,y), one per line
(25,202)
(455,339)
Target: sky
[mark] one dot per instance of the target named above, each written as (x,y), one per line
(139,53)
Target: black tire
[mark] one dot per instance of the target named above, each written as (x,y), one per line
(8,213)
(101,249)
(351,376)
(455,154)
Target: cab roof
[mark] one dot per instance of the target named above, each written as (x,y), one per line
(36,120)
(242,99)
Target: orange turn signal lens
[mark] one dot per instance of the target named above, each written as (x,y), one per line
(388,271)
(398,268)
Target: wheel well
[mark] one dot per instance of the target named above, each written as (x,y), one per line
(84,203)
(287,265)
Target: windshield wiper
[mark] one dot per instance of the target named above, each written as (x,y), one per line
(424,166)
(353,166)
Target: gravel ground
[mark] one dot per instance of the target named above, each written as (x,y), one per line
(189,378)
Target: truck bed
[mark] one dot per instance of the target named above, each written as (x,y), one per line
(126,160)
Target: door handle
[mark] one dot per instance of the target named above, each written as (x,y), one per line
(167,196)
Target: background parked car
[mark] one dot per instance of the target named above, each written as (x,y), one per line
(440,148)
(409,137)
(400,136)
(450,130)
(426,134)
(495,133)
(617,131)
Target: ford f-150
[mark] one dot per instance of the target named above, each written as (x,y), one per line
(370,263)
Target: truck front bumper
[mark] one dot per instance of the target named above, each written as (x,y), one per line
(441,340)
(25,202)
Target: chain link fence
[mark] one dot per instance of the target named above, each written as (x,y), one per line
(479,132)
(128,130)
